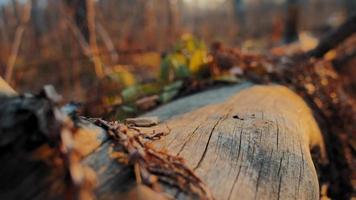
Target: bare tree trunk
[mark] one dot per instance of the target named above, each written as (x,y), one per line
(173,20)
(14,10)
(291,21)
(3,26)
(89,47)
(240,14)
(79,7)
(149,23)
(38,24)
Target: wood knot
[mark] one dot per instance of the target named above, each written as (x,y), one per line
(238,117)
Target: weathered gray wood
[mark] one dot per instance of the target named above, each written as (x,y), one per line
(255,145)
(195,101)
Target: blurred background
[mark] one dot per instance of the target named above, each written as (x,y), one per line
(73,44)
(120,58)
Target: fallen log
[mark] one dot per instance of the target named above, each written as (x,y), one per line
(254,145)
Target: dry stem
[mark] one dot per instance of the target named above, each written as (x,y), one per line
(17,41)
(92,39)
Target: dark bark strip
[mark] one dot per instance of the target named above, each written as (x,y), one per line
(277,133)
(280,164)
(334,38)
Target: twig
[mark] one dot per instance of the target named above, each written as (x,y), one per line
(82,42)
(17,40)
(334,38)
(86,47)
(108,43)
(151,165)
(92,38)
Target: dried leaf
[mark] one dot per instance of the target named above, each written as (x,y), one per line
(147,102)
(142,121)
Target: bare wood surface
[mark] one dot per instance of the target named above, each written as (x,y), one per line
(255,145)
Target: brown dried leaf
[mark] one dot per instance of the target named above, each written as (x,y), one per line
(142,121)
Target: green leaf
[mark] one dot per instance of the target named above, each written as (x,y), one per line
(125,111)
(182,71)
(131,93)
(177,59)
(165,69)
(188,58)
(174,86)
(128,109)
(170,91)
(168,95)
(227,79)
(150,89)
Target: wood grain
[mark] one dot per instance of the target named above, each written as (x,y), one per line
(256,145)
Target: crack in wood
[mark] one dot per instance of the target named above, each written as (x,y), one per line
(210,135)
(277,134)
(258,179)
(240,140)
(235,181)
(280,164)
(188,139)
(279,187)
(207,144)
(301,168)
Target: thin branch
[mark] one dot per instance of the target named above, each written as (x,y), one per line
(81,39)
(92,38)
(17,41)
(84,45)
(108,43)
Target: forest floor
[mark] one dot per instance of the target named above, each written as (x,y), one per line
(326,83)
